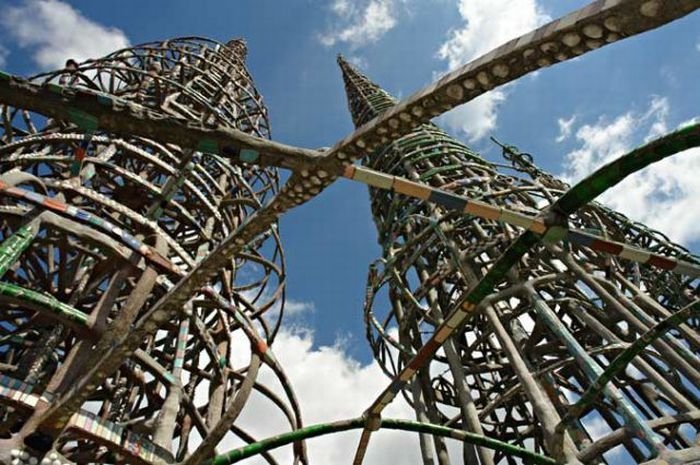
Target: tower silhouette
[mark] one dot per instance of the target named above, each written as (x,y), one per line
(516,369)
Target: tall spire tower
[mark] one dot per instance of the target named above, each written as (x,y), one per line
(98,230)
(526,367)
(142,277)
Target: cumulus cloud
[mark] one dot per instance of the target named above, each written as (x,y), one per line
(477,118)
(294,310)
(487,24)
(663,195)
(54,31)
(565,126)
(330,386)
(358,61)
(358,23)
(298,307)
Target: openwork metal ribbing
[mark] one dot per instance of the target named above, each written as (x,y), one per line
(97,228)
(549,328)
(142,277)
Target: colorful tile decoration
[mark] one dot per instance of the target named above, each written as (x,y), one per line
(451,201)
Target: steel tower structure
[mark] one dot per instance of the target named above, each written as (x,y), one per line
(96,228)
(139,257)
(518,368)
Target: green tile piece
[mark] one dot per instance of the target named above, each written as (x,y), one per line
(208,146)
(85,121)
(249,155)
(55,88)
(104,99)
(555,234)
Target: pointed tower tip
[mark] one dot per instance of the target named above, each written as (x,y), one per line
(346,66)
(239,46)
(365,99)
(342,62)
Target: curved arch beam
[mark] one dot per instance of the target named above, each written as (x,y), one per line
(323,429)
(596,25)
(583,192)
(45,302)
(612,173)
(90,109)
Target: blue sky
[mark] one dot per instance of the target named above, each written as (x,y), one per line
(572,117)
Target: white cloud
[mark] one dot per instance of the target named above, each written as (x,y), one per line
(601,142)
(293,309)
(54,31)
(488,24)
(361,23)
(342,8)
(330,386)
(565,126)
(663,195)
(297,307)
(359,61)
(478,117)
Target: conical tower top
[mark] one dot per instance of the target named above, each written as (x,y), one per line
(365,98)
(239,47)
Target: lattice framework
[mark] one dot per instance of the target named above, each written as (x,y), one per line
(108,224)
(563,312)
(161,108)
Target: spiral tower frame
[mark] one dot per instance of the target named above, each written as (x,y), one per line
(560,317)
(96,228)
